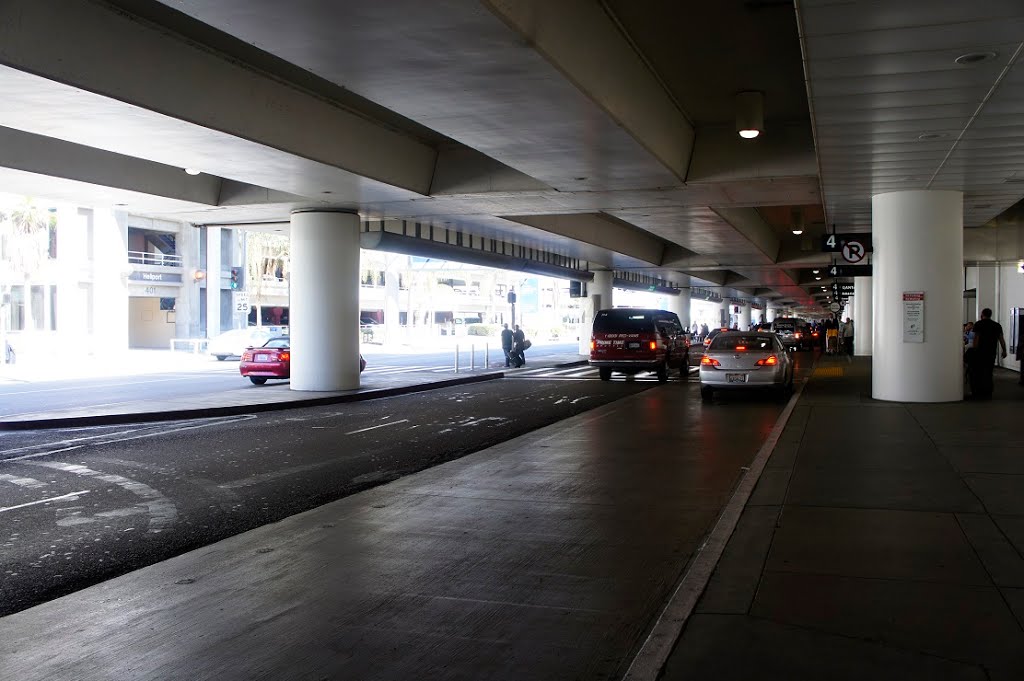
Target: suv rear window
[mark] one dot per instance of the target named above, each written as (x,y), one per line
(619,321)
(787,325)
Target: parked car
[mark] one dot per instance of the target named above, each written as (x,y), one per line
(233,343)
(742,359)
(711,335)
(632,340)
(273,359)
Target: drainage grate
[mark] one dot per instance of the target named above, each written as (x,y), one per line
(829,372)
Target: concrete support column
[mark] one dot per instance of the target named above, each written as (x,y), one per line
(213,280)
(725,314)
(681,306)
(599,297)
(325,300)
(744,317)
(770,314)
(862,312)
(918,240)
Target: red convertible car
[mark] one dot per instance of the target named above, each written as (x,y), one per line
(273,359)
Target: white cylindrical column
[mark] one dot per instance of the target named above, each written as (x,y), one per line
(918,248)
(770,314)
(681,306)
(725,314)
(744,317)
(862,311)
(599,297)
(325,300)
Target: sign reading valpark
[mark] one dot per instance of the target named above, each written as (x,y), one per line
(913,316)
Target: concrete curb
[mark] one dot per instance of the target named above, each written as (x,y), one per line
(237,409)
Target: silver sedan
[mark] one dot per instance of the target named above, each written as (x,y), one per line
(737,359)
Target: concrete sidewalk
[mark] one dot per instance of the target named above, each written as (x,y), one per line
(883,541)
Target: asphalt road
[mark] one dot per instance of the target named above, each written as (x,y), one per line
(81,506)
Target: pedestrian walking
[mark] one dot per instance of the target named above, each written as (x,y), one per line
(847,334)
(506,344)
(988,338)
(519,346)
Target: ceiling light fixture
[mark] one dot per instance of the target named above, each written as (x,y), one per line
(932,136)
(797,217)
(815,271)
(972,58)
(749,114)
(817,278)
(193,171)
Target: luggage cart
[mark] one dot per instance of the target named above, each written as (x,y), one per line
(832,341)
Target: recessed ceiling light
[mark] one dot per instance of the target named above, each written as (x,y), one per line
(817,278)
(193,171)
(798,232)
(972,58)
(932,136)
(815,271)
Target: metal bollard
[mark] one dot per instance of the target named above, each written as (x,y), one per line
(456,359)
(487,355)
(472,358)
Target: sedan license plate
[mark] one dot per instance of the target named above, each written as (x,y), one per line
(736,378)
(262,358)
(633,345)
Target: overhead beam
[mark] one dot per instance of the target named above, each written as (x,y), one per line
(602,230)
(241,114)
(585,43)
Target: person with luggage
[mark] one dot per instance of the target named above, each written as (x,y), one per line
(519,346)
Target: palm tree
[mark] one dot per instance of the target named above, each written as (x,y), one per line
(27,233)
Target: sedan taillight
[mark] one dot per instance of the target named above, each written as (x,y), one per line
(769,361)
(246,356)
(710,361)
(284,356)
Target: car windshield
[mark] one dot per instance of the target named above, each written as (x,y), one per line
(276,343)
(619,321)
(740,343)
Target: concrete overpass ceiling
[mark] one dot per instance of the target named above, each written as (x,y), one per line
(893,109)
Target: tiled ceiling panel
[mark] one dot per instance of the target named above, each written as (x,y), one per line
(894,110)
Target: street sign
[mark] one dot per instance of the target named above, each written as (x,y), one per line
(854,251)
(834,243)
(849,271)
(240,299)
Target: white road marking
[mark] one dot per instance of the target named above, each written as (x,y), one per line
(22,482)
(383,425)
(166,431)
(162,511)
(45,501)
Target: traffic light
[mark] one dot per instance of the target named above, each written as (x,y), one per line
(235,278)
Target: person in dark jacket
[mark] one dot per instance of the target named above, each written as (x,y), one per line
(506,344)
(988,338)
(518,351)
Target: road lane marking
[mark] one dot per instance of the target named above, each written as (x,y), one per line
(45,501)
(105,385)
(22,482)
(162,511)
(206,424)
(383,425)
